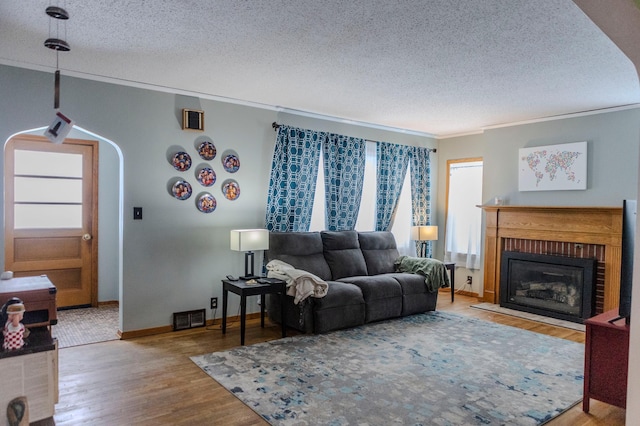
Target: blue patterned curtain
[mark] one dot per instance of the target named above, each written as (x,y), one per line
(392,168)
(421,191)
(292,185)
(344,160)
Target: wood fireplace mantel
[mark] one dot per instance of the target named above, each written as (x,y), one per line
(586,225)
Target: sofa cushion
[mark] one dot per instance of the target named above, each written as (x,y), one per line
(342,307)
(382,295)
(342,253)
(379,250)
(302,250)
(416,297)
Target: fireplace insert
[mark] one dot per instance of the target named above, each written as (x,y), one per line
(555,286)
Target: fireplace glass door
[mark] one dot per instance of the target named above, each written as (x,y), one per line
(555,286)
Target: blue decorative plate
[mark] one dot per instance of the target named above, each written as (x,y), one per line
(230,189)
(206,203)
(207,150)
(206,176)
(231,163)
(181,190)
(181,161)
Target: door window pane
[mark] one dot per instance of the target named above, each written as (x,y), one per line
(45,190)
(51,164)
(41,216)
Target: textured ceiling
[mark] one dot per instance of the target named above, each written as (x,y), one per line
(439,67)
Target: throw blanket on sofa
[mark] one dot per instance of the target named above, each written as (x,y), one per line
(300,284)
(434,271)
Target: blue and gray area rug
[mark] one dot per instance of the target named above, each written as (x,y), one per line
(436,368)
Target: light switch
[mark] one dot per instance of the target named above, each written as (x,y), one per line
(137,213)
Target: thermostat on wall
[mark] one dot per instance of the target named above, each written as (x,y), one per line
(192,119)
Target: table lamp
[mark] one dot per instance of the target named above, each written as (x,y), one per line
(423,234)
(248,240)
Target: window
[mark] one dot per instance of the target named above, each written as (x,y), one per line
(463,226)
(401,226)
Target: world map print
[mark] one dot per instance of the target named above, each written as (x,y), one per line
(554,167)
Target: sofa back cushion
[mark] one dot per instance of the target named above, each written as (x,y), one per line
(342,253)
(379,250)
(302,250)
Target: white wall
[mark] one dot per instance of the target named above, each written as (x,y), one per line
(173,259)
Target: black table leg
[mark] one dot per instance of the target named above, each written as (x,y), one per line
(225,296)
(453,280)
(262,301)
(243,317)
(451,267)
(283,319)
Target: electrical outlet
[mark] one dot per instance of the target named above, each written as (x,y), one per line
(469,279)
(214,303)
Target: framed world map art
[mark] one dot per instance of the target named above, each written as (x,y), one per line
(553,167)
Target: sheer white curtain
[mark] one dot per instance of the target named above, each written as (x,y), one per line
(318,213)
(401,227)
(464,219)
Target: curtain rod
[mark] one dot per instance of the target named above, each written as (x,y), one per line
(276,126)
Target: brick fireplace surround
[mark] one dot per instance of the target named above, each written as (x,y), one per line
(585,232)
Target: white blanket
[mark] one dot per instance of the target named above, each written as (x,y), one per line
(300,284)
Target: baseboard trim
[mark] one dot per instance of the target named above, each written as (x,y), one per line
(126,335)
(467,293)
(447,290)
(109,303)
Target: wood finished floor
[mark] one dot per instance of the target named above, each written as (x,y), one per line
(152,381)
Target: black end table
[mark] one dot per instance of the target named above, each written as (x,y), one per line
(242,289)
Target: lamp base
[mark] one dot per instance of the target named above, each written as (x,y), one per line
(423,249)
(248,261)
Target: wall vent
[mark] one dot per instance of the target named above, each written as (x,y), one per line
(189,319)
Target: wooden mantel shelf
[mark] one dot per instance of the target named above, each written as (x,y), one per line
(574,224)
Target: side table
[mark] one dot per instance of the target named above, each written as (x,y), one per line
(606,360)
(242,289)
(452,270)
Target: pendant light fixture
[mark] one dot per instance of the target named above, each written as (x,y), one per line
(61,125)
(57,44)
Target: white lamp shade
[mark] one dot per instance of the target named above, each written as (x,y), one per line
(249,239)
(424,233)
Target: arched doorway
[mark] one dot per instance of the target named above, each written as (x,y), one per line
(109,174)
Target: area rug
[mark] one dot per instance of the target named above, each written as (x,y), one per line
(436,368)
(86,325)
(526,315)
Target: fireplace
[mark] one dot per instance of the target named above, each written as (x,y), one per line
(555,286)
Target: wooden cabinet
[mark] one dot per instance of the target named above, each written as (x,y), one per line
(31,372)
(606,360)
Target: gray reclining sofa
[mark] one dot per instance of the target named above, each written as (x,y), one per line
(359,270)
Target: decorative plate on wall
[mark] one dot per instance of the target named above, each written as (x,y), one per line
(231,163)
(207,150)
(181,190)
(181,161)
(231,189)
(206,176)
(206,203)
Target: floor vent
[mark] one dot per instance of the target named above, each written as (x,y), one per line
(189,319)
